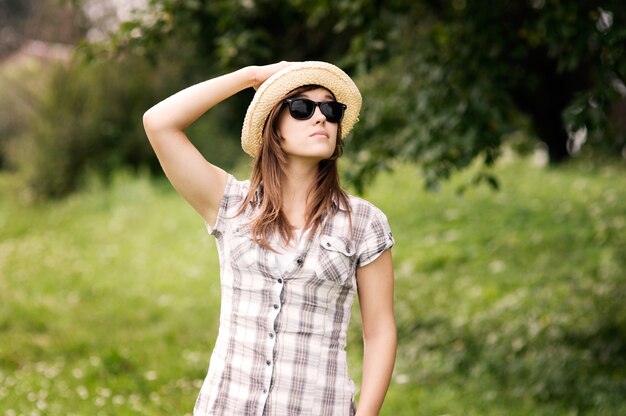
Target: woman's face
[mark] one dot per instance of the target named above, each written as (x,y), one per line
(314,138)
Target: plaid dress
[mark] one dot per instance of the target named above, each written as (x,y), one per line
(281,344)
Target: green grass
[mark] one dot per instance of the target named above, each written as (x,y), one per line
(507,302)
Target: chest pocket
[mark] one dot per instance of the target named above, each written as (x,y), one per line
(243,249)
(337,259)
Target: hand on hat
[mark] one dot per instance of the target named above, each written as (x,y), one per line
(261,73)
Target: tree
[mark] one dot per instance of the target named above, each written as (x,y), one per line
(555,62)
(465,75)
(444,82)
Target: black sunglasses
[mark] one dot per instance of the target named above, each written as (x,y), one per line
(303,109)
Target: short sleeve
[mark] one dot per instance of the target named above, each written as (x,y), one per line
(377,238)
(234,195)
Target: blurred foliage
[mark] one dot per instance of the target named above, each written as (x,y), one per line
(44,20)
(20,97)
(537,277)
(87,119)
(506,304)
(444,82)
(538,57)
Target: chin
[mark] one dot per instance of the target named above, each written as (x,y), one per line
(319,158)
(318,155)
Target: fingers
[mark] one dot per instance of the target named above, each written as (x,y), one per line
(266,71)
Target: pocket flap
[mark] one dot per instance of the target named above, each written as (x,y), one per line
(341,245)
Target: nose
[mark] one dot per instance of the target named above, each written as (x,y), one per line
(318,116)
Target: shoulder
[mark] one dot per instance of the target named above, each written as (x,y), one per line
(371,232)
(366,218)
(235,192)
(362,209)
(235,186)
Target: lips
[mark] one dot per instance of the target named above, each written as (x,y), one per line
(320,133)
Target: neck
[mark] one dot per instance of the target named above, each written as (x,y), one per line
(297,183)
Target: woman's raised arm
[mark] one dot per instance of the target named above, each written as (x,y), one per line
(201,183)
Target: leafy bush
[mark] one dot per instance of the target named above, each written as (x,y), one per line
(20,84)
(89,120)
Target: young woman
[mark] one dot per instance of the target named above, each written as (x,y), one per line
(294,248)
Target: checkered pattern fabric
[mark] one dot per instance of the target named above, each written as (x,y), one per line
(281,344)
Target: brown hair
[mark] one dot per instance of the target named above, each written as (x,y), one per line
(267,173)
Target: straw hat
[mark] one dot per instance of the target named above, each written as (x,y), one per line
(276,87)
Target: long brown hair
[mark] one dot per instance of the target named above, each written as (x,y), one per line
(267,173)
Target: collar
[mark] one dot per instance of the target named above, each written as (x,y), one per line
(340,204)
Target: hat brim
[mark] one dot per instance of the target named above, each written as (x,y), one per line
(276,87)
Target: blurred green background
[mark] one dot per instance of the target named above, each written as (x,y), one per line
(492,134)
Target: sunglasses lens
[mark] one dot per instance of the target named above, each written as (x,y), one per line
(301,109)
(333,111)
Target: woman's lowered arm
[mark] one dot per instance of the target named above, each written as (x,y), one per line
(375,288)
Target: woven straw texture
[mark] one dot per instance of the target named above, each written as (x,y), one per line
(281,83)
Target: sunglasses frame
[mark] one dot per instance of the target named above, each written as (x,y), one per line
(320,104)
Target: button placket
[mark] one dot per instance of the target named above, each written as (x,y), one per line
(274,311)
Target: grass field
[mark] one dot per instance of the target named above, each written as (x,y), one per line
(508,302)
